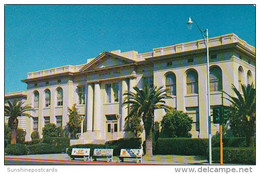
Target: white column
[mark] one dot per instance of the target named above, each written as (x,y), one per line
(98,117)
(89,112)
(124,107)
(132,84)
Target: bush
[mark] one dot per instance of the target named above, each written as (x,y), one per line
(181,146)
(229,142)
(176,124)
(59,143)
(35,135)
(7,134)
(42,148)
(37,141)
(16,149)
(117,145)
(50,130)
(246,155)
(20,136)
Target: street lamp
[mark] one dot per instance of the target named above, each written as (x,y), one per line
(206,42)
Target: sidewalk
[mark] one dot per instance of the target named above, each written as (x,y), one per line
(156,159)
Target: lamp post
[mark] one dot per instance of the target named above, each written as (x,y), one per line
(206,41)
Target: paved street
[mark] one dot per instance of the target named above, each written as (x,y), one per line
(63,159)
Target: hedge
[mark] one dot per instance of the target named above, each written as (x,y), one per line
(59,143)
(230,142)
(181,146)
(16,149)
(245,155)
(42,148)
(117,145)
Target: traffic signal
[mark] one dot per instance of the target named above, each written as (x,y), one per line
(226,114)
(216,115)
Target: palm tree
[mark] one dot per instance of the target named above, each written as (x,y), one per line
(13,110)
(142,103)
(243,117)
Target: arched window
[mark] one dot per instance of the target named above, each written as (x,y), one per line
(171,83)
(215,79)
(47,98)
(36,99)
(192,82)
(249,77)
(240,77)
(59,97)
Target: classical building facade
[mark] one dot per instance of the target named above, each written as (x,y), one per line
(97,87)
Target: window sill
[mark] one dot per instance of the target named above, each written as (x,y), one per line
(216,92)
(191,95)
(111,103)
(58,107)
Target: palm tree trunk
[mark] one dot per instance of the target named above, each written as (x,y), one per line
(149,143)
(13,136)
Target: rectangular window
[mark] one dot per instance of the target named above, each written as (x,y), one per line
(108,91)
(81,94)
(59,121)
(108,127)
(115,88)
(193,112)
(35,124)
(115,127)
(46,120)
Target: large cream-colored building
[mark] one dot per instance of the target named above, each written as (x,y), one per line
(97,87)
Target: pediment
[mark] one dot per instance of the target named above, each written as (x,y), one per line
(106,59)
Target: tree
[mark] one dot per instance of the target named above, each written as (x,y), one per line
(35,135)
(74,123)
(176,124)
(50,130)
(243,112)
(134,125)
(142,103)
(20,136)
(13,110)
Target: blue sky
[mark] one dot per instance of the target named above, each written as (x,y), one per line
(39,37)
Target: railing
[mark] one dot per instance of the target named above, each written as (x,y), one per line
(58,70)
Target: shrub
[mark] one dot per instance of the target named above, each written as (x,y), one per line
(229,142)
(36,141)
(7,134)
(35,135)
(246,155)
(117,145)
(20,136)
(59,143)
(181,146)
(41,148)
(16,149)
(50,130)
(176,124)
